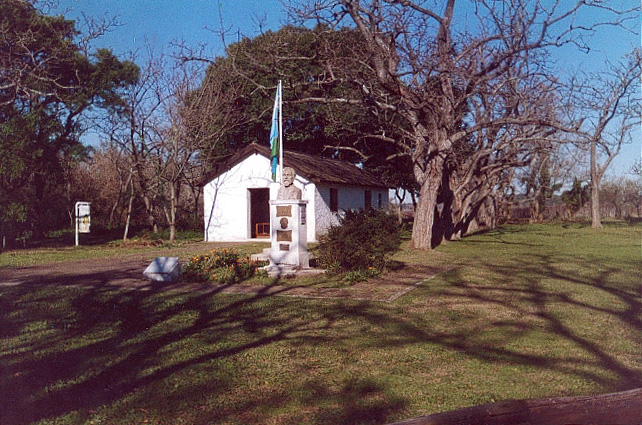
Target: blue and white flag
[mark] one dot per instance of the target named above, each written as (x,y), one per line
(275,142)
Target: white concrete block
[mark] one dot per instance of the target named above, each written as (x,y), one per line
(163,269)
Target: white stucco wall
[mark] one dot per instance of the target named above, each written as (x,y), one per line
(349,198)
(324,216)
(226,201)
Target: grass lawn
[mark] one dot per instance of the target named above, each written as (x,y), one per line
(526,311)
(61,248)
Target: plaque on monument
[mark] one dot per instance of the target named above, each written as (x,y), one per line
(284,210)
(284,235)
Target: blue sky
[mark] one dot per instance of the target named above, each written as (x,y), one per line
(160,22)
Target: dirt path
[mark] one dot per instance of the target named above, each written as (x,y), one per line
(127,272)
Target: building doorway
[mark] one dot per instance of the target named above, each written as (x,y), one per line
(259,213)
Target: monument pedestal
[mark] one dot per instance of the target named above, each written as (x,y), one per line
(289,236)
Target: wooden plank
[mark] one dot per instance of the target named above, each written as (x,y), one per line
(623,408)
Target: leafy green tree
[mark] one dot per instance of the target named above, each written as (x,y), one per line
(246,79)
(576,197)
(323,113)
(539,183)
(47,83)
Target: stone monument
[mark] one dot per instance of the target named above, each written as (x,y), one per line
(288,228)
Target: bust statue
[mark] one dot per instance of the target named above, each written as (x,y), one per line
(288,190)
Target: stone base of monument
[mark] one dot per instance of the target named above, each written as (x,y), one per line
(287,270)
(163,269)
(265,256)
(281,270)
(262,256)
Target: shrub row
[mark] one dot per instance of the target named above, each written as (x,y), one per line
(221,266)
(361,245)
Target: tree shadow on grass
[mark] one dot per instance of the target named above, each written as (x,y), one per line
(500,234)
(211,358)
(76,351)
(533,306)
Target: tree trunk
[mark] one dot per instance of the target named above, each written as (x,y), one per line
(463,211)
(444,226)
(121,189)
(129,207)
(140,174)
(596,219)
(399,209)
(170,212)
(536,212)
(150,212)
(422,229)
(424,216)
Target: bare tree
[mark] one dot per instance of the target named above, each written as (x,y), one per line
(477,174)
(429,68)
(632,196)
(609,102)
(134,130)
(621,197)
(176,152)
(110,178)
(197,117)
(172,124)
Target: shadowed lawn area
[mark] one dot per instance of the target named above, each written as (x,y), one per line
(525,312)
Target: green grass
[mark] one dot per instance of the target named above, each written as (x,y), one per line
(524,312)
(60,246)
(183,249)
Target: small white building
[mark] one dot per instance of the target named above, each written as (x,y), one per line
(236,195)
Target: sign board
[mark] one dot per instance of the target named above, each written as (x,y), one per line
(83,217)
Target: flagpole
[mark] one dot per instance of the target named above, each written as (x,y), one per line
(280,89)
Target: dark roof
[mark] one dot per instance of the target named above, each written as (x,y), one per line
(315,168)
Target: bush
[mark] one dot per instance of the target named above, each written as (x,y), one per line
(361,275)
(361,244)
(220,266)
